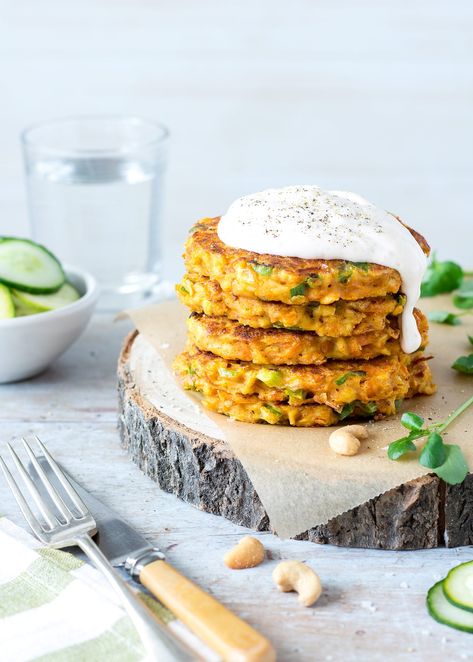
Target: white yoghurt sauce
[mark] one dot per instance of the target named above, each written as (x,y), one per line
(307,222)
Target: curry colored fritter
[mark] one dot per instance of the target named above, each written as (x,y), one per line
(233,341)
(336,383)
(342,318)
(290,280)
(420,379)
(251,409)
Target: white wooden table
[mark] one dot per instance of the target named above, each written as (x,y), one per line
(373,602)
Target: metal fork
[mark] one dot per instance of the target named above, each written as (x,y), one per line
(62,526)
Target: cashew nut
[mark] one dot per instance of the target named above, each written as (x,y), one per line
(296,576)
(346,441)
(247,554)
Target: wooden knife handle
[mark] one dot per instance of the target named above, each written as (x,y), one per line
(232,638)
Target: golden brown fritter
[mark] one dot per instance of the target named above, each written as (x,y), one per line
(233,341)
(251,409)
(284,340)
(290,280)
(335,383)
(342,318)
(421,379)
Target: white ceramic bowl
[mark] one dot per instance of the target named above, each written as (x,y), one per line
(29,344)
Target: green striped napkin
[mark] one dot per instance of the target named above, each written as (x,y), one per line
(56,608)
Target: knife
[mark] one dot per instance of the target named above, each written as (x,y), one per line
(231,637)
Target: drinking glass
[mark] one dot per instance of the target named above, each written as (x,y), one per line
(95,187)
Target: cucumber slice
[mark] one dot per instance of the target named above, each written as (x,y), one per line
(29,267)
(458,586)
(7,309)
(444,612)
(29,304)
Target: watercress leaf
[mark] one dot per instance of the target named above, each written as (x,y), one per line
(412,421)
(466,288)
(441,277)
(463,302)
(464,364)
(400,447)
(464,297)
(444,317)
(465,291)
(433,454)
(455,469)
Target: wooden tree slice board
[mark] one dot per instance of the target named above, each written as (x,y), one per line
(200,468)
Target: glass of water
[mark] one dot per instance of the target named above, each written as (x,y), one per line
(95,188)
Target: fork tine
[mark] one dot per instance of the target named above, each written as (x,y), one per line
(45,510)
(56,498)
(25,509)
(70,491)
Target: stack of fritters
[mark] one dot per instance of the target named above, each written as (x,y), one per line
(293,341)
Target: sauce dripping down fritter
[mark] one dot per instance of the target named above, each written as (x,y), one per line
(310,223)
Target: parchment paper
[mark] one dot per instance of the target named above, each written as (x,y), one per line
(299,480)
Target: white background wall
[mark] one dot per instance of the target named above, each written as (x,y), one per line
(369,95)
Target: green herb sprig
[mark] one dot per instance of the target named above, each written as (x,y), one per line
(441,277)
(444,317)
(463,298)
(444,277)
(464,364)
(445,460)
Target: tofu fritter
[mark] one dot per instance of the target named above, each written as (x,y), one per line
(233,341)
(335,383)
(342,318)
(290,280)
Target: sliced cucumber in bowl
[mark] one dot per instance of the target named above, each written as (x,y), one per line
(32,279)
(458,586)
(7,307)
(443,611)
(29,267)
(30,304)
